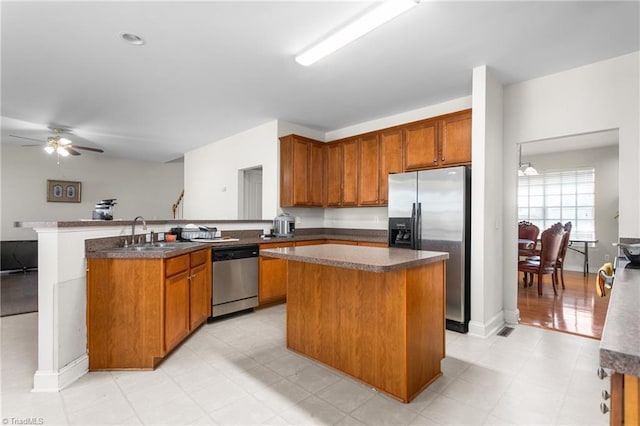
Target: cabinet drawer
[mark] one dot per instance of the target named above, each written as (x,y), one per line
(176,264)
(198,257)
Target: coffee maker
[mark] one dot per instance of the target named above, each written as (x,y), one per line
(104,209)
(284,225)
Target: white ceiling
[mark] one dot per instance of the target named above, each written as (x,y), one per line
(212,69)
(571,143)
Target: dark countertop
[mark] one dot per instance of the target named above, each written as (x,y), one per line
(110,247)
(620,343)
(122,222)
(374,259)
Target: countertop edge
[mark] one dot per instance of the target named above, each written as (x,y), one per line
(357,265)
(620,341)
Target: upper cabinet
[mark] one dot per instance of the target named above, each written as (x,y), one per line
(390,160)
(301,172)
(420,143)
(455,139)
(341,173)
(438,142)
(355,171)
(369,157)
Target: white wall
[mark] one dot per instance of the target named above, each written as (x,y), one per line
(141,188)
(605,162)
(595,97)
(487,286)
(211,173)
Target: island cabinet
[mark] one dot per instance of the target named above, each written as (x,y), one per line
(301,172)
(376,314)
(139,309)
(341,173)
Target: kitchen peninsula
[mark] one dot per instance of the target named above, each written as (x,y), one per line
(376,314)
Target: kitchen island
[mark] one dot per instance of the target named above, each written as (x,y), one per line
(376,314)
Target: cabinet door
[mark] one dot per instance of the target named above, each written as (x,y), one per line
(199,295)
(372,244)
(333,174)
(176,309)
(301,153)
(455,140)
(390,160)
(316,174)
(369,171)
(420,145)
(350,173)
(273,279)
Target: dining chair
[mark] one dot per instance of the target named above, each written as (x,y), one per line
(562,254)
(527,242)
(551,240)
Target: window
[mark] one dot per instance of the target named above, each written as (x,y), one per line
(559,196)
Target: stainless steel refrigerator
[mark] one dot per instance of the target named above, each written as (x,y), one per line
(431,210)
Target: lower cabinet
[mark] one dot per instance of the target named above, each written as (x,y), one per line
(625,400)
(138,310)
(272,274)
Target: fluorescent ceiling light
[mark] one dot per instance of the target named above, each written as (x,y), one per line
(356,29)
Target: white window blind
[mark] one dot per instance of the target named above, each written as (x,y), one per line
(559,196)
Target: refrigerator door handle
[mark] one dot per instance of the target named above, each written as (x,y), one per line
(413,226)
(417,237)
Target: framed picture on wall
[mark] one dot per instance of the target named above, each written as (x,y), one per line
(63,191)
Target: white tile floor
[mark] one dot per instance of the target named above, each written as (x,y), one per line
(237,371)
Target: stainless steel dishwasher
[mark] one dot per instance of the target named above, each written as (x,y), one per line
(235,278)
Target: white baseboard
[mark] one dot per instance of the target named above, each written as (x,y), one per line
(489,328)
(54,381)
(512,317)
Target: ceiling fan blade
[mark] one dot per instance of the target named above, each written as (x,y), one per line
(87,148)
(71,150)
(29,139)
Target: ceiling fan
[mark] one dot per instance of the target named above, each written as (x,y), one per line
(60,145)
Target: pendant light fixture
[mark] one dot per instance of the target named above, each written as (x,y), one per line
(388,10)
(525,169)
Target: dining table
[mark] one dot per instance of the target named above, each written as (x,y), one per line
(578,245)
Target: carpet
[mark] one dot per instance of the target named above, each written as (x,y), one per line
(18,293)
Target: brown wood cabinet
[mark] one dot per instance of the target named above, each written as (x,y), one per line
(341,173)
(272,274)
(420,145)
(138,310)
(390,160)
(438,142)
(301,172)
(455,139)
(625,400)
(369,171)
(355,171)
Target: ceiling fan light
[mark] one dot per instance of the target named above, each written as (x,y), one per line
(62,151)
(530,171)
(49,149)
(520,172)
(64,141)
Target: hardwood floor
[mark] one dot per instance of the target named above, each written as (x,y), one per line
(576,309)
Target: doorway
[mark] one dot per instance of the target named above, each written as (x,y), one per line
(576,309)
(250,193)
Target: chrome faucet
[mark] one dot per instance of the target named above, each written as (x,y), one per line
(133,228)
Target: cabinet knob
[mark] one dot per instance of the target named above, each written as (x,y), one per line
(604,408)
(605,395)
(602,373)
